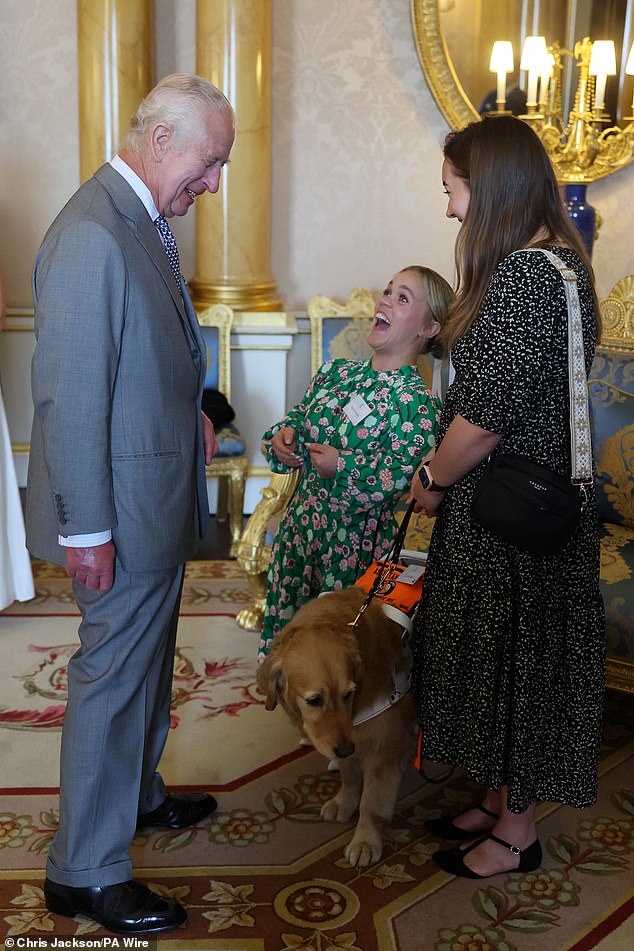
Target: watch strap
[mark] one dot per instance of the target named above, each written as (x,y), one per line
(432,485)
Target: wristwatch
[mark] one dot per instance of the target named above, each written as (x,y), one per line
(427,480)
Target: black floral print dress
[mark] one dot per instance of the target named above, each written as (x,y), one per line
(510,646)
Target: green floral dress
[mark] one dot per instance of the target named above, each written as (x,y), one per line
(335,528)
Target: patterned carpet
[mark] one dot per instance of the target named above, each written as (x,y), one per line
(265,873)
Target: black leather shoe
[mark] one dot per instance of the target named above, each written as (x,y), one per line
(125,908)
(179,812)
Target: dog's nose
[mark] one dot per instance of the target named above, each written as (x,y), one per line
(342,751)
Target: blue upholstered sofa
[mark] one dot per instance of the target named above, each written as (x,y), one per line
(611,388)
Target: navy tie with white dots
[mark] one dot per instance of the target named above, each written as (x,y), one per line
(170,247)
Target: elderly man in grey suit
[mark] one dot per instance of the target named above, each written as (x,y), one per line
(116,486)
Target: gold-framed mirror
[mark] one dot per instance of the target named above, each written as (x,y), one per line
(454,39)
(439,70)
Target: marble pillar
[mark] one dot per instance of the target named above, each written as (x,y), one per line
(233,51)
(115,55)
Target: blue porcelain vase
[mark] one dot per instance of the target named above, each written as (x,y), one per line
(582,215)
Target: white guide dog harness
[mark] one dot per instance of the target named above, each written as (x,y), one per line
(401,679)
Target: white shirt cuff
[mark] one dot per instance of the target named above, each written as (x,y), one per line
(85,541)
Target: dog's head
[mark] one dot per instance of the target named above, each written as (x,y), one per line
(318,667)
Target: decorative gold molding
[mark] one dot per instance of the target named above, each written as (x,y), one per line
(619,675)
(243,320)
(439,71)
(250,296)
(617,312)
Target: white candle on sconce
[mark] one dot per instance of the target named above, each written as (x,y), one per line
(534,55)
(544,81)
(629,69)
(602,65)
(501,62)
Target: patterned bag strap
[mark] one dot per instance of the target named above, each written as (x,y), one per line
(580,441)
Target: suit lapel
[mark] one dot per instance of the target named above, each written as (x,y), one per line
(133,210)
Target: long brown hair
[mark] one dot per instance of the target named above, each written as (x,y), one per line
(513,196)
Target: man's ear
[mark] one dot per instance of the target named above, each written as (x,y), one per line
(161,139)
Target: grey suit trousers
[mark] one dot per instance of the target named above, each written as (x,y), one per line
(116,724)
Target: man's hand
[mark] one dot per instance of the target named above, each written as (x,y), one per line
(210,443)
(284,446)
(92,567)
(323,458)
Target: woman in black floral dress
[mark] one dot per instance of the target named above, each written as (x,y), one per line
(509,653)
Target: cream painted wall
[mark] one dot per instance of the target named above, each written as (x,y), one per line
(356,136)
(39,161)
(356,189)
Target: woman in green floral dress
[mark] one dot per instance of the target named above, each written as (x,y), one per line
(359,434)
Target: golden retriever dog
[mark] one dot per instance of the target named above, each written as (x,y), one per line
(327,675)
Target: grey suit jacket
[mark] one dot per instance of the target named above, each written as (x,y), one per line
(117,380)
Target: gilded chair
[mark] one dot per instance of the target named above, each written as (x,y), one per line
(340,330)
(230,464)
(337,330)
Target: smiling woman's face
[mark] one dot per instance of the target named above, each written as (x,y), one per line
(401,318)
(457,190)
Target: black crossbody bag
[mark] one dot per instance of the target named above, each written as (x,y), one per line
(526,503)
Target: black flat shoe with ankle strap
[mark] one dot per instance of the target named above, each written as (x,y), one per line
(452,860)
(445,828)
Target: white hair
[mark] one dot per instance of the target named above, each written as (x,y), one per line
(180,102)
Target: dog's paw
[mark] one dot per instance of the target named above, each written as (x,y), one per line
(364,850)
(337,811)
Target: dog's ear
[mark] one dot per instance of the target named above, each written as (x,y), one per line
(270,678)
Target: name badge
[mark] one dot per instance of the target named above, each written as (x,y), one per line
(357,409)
(411,574)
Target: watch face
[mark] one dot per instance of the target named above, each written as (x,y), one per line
(424,478)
